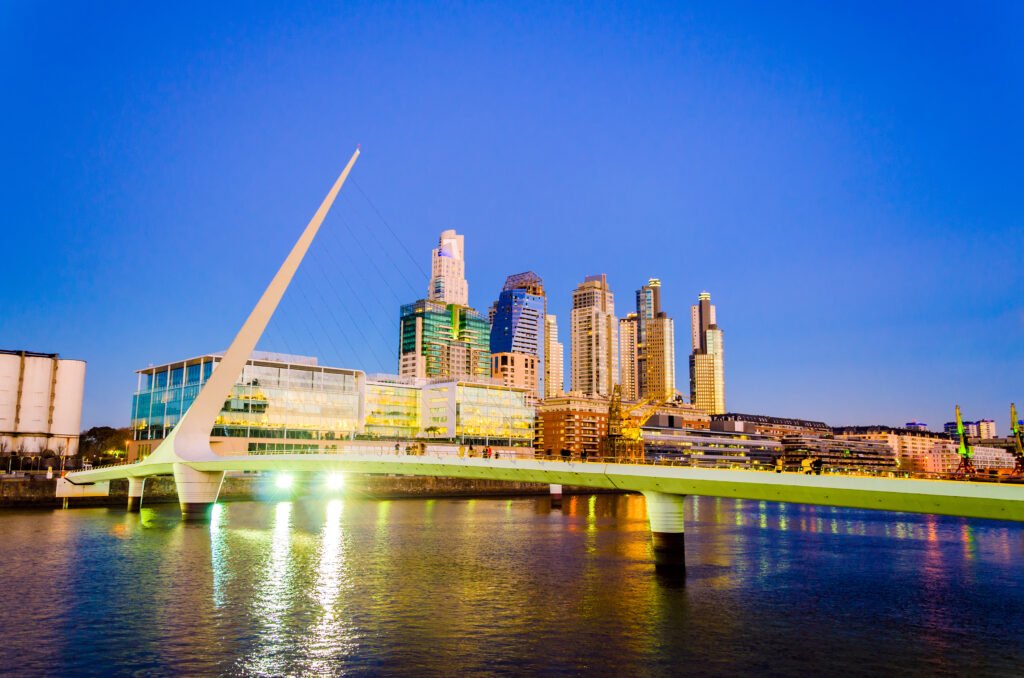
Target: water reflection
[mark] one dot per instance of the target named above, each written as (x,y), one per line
(507,586)
(331,637)
(272,599)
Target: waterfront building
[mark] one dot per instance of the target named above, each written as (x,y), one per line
(391,406)
(443,341)
(764,425)
(837,452)
(574,422)
(916,426)
(288,403)
(477,413)
(628,336)
(448,271)
(594,337)
(942,458)
(518,323)
(281,402)
(905,443)
(707,361)
(40,403)
(554,359)
(703,446)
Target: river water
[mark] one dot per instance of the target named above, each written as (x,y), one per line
(507,586)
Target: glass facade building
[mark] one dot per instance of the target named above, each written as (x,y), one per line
(477,414)
(279,402)
(392,408)
(284,403)
(443,341)
(518,322)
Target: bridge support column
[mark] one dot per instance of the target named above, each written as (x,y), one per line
(135,486)
(197,491)
(665,512)
(556,495)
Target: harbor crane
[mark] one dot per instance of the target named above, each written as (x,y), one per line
(625,439)
(965,450)
(1017,433)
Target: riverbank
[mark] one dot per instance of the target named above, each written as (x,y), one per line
(41,493)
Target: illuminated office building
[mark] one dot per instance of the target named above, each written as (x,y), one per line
(288,403)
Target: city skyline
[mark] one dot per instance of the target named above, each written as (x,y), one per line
(805,182)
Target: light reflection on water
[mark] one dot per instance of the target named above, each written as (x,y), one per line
(423,587)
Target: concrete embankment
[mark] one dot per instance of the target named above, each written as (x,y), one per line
(39,492)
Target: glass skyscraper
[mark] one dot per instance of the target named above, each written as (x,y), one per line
(443,340)
(518,326)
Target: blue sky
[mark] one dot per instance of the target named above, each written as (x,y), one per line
(844,178)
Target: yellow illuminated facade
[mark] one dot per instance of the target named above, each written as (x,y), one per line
(284,403)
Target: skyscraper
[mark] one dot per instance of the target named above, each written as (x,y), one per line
(518,329)
(647,348)
(441,336)
(594,336)
(629,328)
(707,369)
(554,360)
(448,270)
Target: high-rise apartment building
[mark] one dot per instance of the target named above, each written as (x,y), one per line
(594,337)
(441,336)
(554,359)
(707,368)
(517,332)
(448,270)
(629,328)
(647,348)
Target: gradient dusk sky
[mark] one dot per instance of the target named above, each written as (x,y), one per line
(846,179)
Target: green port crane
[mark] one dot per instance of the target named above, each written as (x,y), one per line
(1018,441)
(965,450)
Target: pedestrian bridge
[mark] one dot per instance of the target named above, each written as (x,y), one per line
(979,500)
(1001,501)
(664,486)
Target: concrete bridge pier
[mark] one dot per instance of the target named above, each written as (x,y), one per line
(665,513)
(135,487)
(556,495)
(197,491)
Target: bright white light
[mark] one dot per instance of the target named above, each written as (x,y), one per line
(284,481)
(335,481)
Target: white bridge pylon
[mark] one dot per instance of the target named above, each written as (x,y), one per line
(189,441)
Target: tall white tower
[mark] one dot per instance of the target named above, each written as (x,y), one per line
(448,271)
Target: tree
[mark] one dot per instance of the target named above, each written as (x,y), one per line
(97,441)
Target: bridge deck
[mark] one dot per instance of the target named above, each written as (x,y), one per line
(946,497)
